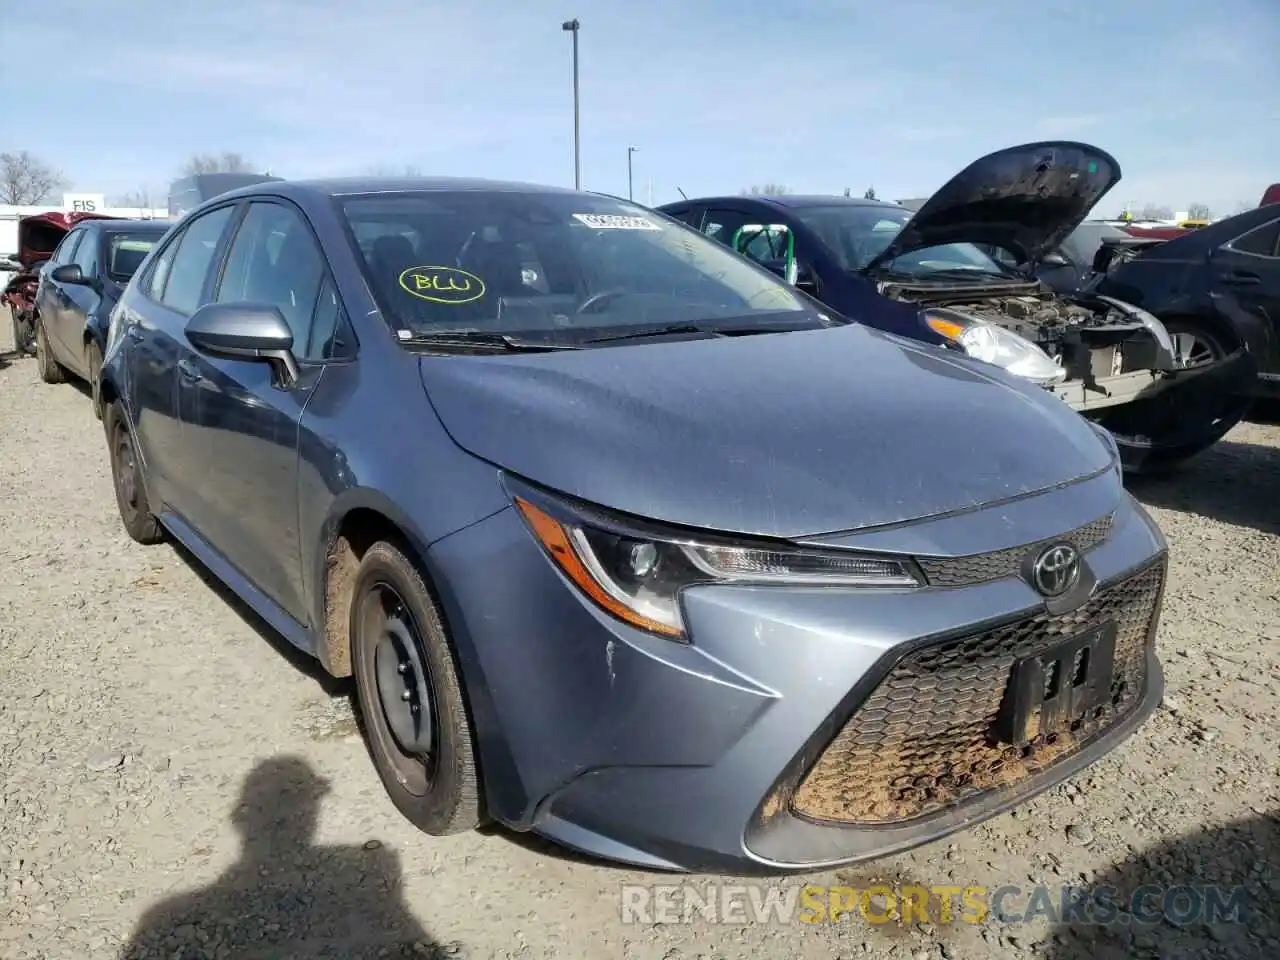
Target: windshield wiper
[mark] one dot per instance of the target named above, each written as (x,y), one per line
(709,330)
(496,342)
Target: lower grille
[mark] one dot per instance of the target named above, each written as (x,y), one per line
(927,737)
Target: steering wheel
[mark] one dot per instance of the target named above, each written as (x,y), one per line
(602,297)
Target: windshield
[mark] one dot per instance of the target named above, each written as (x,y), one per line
(1083,243)
(557,266)
(126,251)
(855,235)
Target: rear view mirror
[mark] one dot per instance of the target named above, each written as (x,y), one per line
(245,331)
(1054,259)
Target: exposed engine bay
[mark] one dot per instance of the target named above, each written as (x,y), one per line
(1109,350)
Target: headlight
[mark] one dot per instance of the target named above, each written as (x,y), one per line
(994,344)
(637,576)
(1109,441)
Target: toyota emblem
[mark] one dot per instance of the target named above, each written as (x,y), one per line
(1056,570)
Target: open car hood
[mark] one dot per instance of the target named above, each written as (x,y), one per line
(1024,199)
(40,234)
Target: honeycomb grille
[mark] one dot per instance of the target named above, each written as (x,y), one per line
(985,567)
(926,738)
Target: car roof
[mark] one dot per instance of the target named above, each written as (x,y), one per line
(792,200)
(160,225)
(349,186)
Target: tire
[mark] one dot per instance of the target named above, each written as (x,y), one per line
(50,370)
(126,477)
(19,347)
(434,782)
(1203,345)
(93,364)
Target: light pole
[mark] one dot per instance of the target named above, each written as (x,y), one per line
(572,26)
(630,151)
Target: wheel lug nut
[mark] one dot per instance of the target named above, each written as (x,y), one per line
(402,668)
(406,695)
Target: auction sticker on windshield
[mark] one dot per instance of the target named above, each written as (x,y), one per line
(442,284)
(609,221)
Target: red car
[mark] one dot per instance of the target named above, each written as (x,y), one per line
(38,236)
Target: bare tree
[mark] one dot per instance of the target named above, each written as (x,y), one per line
(766,190)
(141,198)
(870,194)
(1199,211)
(26,180)
(226,162)
(1153,211)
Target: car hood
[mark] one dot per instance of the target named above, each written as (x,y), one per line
(779,435)
(1024,199)
(40,234)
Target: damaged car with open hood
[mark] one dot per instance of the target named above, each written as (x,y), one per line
(927,276)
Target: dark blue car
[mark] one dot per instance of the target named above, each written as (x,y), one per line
(931,276)
(624,540)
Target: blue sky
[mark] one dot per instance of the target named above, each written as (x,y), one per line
(815,94)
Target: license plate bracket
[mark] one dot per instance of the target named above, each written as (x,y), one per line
(1050,690)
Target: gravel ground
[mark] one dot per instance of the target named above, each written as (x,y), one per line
(174,782)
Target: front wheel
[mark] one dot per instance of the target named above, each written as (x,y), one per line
(410,696)
(126,476)
(50,370)
(93,363)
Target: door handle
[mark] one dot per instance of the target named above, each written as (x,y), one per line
(1241,278)
(189,372)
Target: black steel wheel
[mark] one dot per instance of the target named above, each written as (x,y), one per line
(50,370)
(127,479)
(410,698)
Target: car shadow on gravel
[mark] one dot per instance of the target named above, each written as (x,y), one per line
(286,897)
(1214,893)
(1231,482)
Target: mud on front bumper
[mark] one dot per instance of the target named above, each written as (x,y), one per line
(919,754)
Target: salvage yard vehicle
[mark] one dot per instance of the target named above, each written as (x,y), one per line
(648,554)
(1215,289)
(77,290)
(926,276)
(38,237)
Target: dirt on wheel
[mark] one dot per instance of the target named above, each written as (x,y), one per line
(176,782)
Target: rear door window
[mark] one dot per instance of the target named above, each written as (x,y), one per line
(1261,241)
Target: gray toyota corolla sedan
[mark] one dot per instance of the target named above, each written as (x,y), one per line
(624,540)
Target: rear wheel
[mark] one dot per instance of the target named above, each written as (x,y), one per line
(126,476)
(410,696)
(19,334)
(50,370)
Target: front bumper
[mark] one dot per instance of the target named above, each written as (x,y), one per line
(692,757)
(1189,413)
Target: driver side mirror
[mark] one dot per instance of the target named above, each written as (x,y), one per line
(245,331)
(71,273)
(1054,259)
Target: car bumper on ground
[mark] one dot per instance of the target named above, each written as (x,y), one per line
(800,728)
